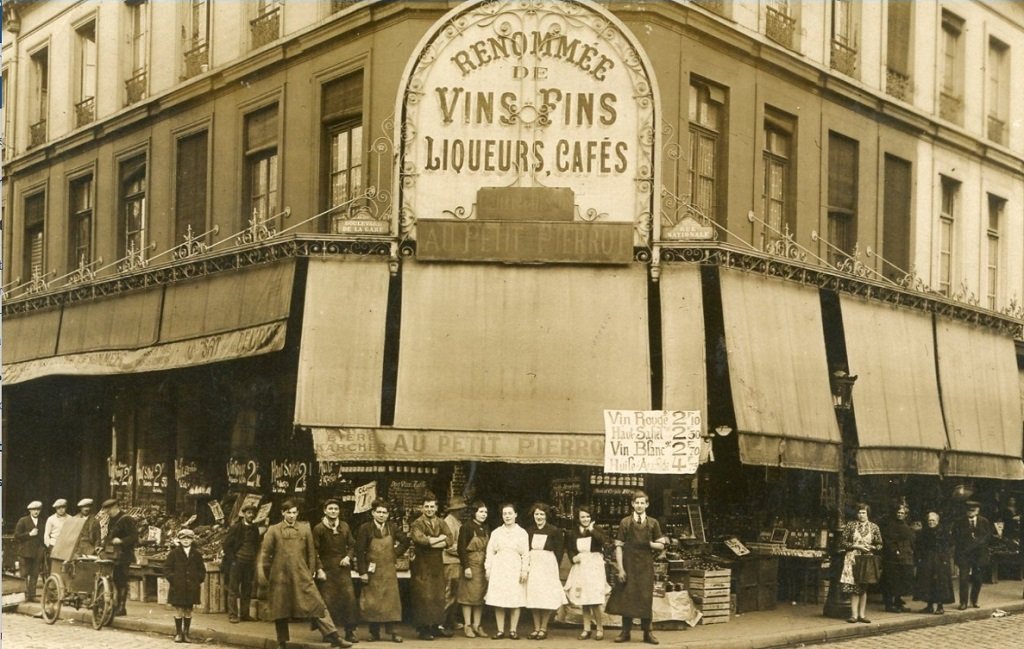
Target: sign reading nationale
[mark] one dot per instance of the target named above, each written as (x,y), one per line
(652,441)
(512,108)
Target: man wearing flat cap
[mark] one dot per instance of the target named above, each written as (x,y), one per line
(55,523)
(29,535)
(336,548)
(89,538)
(241,549)
(122,535)
(971,536)
(456,510)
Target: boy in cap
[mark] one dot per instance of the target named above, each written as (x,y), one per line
(122,534)
(29,535)
(185,572)
(241,548)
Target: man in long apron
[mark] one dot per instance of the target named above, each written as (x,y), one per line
(378,544)
(633,596)
(426,589)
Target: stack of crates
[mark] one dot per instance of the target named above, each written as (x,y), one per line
(710,590)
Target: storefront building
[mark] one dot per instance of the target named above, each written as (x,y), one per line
(428,244)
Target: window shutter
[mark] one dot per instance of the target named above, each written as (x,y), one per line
(342,98)
(261,129)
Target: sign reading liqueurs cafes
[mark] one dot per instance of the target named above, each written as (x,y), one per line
(527,134)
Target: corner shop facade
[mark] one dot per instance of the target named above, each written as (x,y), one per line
(526,269)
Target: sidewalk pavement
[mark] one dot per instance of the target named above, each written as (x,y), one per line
(788,624)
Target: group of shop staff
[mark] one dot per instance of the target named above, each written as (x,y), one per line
(905,561)
(455,565)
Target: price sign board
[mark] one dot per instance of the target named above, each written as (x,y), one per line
(365,495)
(652,441)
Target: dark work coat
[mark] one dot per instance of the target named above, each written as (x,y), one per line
(897,557)
(934,580)
(122,526)
(30,547)
(185,574)
(426,588)
(288,561)
(971,543)
(339,595)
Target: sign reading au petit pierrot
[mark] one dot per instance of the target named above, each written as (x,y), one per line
(529,131)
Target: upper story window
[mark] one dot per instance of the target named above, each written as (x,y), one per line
(706,173)
(190,185)
(85,78)
(779,158)
(899,27)
(138,51)
(39,106)
(341,109)
(35,218)
(261,177)
(133,211)
(7,143)
(197,42)
(842,197)
(844,37)
(998,90)
(951,87)
(780,22)
(896,217)
(266,26)
(949,207)
(80,222)
(996,207)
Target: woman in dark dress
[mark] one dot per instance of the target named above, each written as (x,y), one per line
(185,571)
(336,548)
(638,537)
(934,583)
(586,585)
(897,561)
(472,549)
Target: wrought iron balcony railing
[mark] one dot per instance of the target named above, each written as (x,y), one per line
(135,88)
(950,107)
(266,27)
(844,58)
(996,129)
(780,27)
(897,84)
(85,111)
(197,60)
(37,133)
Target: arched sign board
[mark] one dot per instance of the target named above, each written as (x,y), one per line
(527,133)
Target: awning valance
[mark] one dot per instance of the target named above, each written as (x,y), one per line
(231,315)
(896,397)
(521,348)
(682,334)
(779,373)
(981,400)
(341,357)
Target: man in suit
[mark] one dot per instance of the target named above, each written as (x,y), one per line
(29,535)
(971,536)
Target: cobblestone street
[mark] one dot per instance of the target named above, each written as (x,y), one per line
(991,633)
(25,632)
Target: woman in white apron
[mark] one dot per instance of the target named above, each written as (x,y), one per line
(544,593)
(506,565)
(587,586)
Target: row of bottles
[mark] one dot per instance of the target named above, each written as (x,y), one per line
(599,479)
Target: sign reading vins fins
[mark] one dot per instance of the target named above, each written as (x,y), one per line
(528,135)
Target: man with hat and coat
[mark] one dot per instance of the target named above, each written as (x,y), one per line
(89,538)
(122,536)
(452,565)
(971,536)
(29,534)
(241,549)
(55,523)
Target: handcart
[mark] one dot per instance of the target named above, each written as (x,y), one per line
(78,578)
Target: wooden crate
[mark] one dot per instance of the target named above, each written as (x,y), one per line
(715,619)
(163,587)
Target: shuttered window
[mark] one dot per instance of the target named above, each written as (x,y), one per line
(191,185)
(842,196)
(35,216)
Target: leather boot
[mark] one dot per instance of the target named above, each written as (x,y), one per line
(186,624)
(177,630)
(337,641)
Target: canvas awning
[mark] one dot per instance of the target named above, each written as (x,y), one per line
(779,373)
(518,363)
(341,357)
(896,397)
(30,336)
(981,400)
(221,317)
(684,383)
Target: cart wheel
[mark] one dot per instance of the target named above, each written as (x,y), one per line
(102,606)
(53,597)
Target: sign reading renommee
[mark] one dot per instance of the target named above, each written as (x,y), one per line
(528,95)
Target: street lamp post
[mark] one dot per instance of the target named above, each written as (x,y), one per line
(837,604)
